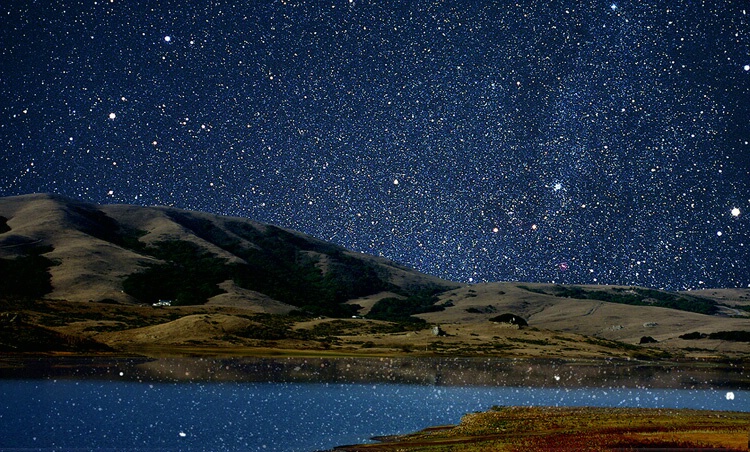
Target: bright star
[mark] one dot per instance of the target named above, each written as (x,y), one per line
(613,6)
(167,38)
(736,212)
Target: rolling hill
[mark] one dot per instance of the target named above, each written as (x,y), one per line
(129,254)
(86,277)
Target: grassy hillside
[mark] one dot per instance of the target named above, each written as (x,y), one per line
(66,249)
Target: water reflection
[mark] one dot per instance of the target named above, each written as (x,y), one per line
(300,404)
(419,371)
(74,414)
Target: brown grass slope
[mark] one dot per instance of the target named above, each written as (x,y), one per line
(476,304)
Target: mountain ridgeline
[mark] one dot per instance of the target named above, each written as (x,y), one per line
(58,248)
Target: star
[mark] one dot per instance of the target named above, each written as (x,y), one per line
(601,141)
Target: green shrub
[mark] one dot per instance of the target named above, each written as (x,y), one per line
(641,297)
(281,265)
(735,336)
(693,336)
(265,332)
(402,309)
(189,275)
(510,318)
(26,277)
(4,225)
(532,290)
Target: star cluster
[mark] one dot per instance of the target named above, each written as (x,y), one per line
(592,142)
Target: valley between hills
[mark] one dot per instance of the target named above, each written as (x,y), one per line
(86,279)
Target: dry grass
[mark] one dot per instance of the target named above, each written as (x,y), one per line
(578,429)
(219,330)
(618,322)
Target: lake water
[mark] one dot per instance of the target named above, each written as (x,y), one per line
(277,404)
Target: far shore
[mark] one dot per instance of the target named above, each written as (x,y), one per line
(191,364)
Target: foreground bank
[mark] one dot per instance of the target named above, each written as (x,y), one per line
(578,429)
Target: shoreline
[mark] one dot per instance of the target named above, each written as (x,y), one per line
(219,352)
(431,371)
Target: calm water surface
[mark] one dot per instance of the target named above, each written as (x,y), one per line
(279,405)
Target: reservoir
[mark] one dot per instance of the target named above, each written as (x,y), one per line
(310,404)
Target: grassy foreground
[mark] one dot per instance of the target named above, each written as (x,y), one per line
(578,429)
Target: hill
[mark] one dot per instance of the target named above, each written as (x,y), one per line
(79,277)
(615,313)
(140,255)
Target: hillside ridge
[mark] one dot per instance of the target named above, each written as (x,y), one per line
(111,252)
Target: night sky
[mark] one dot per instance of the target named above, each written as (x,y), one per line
(591,142)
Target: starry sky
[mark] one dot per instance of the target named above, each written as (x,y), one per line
(577,142)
